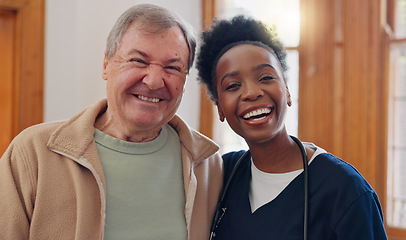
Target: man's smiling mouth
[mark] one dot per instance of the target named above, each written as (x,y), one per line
(148,99)
(257,114)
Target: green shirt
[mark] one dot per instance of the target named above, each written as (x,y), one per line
(145,196)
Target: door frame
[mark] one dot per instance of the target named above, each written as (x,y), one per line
(28,62)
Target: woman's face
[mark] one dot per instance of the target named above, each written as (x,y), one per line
(252,94)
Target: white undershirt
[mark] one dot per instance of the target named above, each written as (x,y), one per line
(265,187)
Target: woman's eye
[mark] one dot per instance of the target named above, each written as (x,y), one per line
(266,78)
(232,86)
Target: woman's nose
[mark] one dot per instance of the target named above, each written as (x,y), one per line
(251,91)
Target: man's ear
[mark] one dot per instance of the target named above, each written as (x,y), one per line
(105,63)
(220,112)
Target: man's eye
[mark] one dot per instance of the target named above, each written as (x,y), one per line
(175,71)
(172,69)
(139,62)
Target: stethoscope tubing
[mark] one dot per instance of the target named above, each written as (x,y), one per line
(220,211)
(306,185)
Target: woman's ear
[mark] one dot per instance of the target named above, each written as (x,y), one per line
(220,112)
(289,97)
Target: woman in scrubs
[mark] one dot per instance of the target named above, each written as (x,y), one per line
(242,63)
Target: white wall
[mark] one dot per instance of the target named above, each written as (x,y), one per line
(76,32)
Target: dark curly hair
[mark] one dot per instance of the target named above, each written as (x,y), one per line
(223,35)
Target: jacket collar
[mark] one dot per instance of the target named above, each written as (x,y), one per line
(196,144)
(76,135)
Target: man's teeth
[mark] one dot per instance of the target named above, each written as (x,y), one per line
(256,113)
(155,100)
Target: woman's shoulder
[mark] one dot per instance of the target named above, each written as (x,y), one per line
(230,159)
(235,155)
(330,162)
(339,173)
(339,186)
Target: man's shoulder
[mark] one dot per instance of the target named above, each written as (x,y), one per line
(39,131)
(33,137)
(191,139)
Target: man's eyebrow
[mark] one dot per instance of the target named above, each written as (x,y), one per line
(175,60)
(144,54)
(136,51)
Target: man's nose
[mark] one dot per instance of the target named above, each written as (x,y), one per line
(154,76)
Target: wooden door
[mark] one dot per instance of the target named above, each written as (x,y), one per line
(21,66)
(7,20)
(343,82)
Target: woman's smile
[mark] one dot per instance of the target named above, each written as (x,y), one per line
(257,116)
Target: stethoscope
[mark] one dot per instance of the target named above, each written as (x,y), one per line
(220,210)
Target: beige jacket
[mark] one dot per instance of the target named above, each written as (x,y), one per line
(52,184)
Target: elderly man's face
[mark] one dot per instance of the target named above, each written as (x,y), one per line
(146,78)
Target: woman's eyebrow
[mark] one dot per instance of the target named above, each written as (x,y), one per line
(230,74)
(256,68)
(261,66)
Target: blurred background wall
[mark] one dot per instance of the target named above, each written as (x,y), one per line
(75,37)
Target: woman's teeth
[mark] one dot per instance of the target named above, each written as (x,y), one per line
(257,113)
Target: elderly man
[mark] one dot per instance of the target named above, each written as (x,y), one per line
(126,167)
